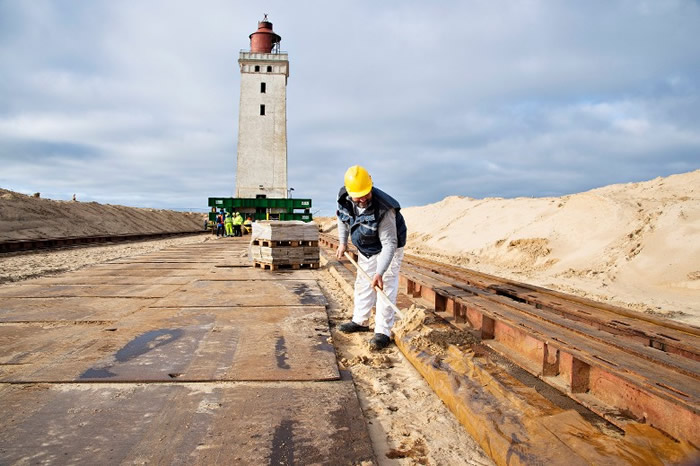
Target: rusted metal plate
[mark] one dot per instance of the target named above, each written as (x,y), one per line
(69,309)
(123,279)
(193,256)
(515,424)
(154,265)
(231,423)
(182,259)
(235,262)
(193,344)
(250,273)
(116,291)
(136,271)
(27,348)
(205,293)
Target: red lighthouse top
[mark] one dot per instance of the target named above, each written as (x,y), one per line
(264,39)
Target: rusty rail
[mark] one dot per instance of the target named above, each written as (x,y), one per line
(26,245)
(619,364)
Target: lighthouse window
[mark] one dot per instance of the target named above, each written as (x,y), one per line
(269,69)
(257,67)
(262,88)
(262,109)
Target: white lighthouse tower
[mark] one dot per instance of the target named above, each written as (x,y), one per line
(262,120)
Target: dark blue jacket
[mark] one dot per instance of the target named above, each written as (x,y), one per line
(364,229)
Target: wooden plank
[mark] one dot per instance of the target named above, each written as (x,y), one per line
(680,416)
(285,231)
(640,346)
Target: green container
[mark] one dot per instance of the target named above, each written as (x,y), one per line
(232,204)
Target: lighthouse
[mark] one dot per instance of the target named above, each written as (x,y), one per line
(261,170)
(261,162)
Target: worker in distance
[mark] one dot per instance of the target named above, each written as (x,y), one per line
(373,221)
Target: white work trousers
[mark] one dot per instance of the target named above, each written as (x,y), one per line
(366,297)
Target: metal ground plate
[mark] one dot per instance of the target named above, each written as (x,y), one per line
(227,423)
(226,364)
(135,271)
(249,273)
(155,265)
(105,291)
(192,344)
(125,279)
(205,293)
(69,309)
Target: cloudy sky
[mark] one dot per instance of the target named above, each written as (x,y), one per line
(135,102)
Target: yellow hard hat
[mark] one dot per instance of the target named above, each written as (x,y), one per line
(357,181)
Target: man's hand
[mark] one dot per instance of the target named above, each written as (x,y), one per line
(341,251)
(377,281)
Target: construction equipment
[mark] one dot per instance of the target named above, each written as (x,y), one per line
(263,208)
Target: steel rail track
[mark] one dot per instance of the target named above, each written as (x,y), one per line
(27,245)
(621,365)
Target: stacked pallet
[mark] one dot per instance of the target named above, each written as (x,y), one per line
(284,245)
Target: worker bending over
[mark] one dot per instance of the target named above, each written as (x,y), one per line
(373,221)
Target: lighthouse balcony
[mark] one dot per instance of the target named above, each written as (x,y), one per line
(248,55)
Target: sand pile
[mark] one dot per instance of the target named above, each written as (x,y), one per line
(635,245)
(27,217)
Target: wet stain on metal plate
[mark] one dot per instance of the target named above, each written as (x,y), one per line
(147,342)
(303,290)
(135,348)
(281,353)
(282,449)
(323,344)
(97,374)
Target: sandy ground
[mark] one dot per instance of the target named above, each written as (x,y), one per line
(633,245)
(408,423)
(26,265)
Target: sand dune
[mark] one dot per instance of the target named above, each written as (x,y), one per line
(635,245)
(27,217)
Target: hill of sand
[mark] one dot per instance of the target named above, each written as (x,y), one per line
(634,245)
(28,217)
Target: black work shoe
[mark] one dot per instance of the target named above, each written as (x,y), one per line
(352,327)
(379,341)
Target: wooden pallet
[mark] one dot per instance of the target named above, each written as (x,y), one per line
(266,243)
(267,266)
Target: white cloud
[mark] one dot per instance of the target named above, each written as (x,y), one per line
(138,101)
